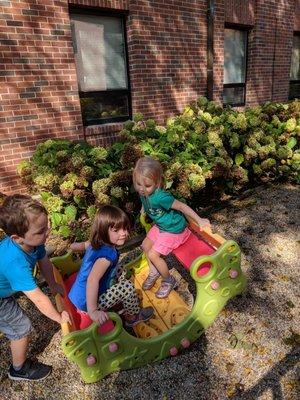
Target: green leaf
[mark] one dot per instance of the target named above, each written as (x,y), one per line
(71,212)
(45,195)
(64,231)
(79,201)
(292,142)
(239,159)
(56,219)
(146,147)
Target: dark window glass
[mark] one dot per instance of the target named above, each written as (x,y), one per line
(294,91)
(234,95)
(235,60)
(100,58)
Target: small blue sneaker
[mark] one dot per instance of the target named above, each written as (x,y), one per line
(144,315)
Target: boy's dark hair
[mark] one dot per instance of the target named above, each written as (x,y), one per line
(15,212)
(107,217)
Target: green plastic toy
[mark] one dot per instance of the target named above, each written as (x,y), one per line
(218,278)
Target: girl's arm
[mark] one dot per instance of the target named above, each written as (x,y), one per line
(92,290)
(188,212)
(80,246)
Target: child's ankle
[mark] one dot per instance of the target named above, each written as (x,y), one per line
(169,279)
(130,317)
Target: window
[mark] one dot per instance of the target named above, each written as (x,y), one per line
(100,57)
(295,68)
(235,64)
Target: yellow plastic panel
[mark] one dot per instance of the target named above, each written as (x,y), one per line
(168,312)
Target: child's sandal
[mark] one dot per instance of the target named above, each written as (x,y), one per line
(149,282)
(165,288)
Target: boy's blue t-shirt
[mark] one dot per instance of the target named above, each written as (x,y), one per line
(16,267)
(77,294)
(159,208)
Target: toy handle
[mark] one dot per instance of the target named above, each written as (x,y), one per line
(144,223)
(117,329)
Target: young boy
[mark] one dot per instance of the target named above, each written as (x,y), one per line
(25,223)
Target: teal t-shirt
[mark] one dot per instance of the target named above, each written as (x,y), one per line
(158,207)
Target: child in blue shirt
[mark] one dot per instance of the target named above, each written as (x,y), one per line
(25,222)
(100,283)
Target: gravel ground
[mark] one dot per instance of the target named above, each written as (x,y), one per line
(251,351)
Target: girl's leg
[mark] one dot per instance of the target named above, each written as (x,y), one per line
(159,263)
(153,272)
(146,246)
(168,282)
(122,292)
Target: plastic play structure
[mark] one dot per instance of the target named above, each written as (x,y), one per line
(214,265)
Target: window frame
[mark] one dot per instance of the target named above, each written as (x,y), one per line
(92,11)
(293,81)
(244,28)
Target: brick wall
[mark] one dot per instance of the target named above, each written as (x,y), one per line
(297,16)
(167,42)
(240,12)
(270,44)
(167,54)
(38,81)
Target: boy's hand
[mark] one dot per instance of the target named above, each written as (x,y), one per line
(65,318)
(99,317)
(57,288)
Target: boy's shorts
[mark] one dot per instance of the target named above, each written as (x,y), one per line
(14,323)
(166,242)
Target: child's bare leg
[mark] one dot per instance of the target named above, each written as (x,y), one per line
(168,281)
(153,272)
(146,246)
(159,263)
(18,351)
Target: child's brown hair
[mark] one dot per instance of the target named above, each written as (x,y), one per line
(16,211)
(107,217)
(148,167)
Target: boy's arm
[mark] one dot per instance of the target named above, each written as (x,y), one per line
(188,212)
(45,306)
(46,268)
(92,290)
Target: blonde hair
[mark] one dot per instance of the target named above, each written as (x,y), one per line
(150,168)
(107,217)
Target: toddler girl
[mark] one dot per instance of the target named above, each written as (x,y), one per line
(168,214)
(100,283)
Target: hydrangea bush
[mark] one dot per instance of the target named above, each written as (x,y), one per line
(206,149)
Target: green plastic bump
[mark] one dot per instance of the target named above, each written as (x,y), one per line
(66,264)
(118,350)
(144,223)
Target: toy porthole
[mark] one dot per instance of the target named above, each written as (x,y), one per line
(204,269)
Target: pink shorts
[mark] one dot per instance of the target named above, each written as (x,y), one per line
(165,242)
